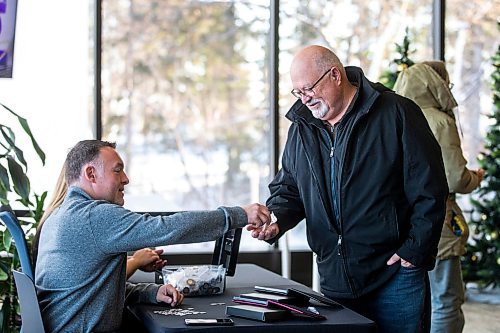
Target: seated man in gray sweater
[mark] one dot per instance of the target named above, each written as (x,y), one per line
(81,266)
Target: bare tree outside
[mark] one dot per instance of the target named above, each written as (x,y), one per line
(185,83)
(183,101)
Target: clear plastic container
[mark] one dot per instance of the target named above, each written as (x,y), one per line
(196,280)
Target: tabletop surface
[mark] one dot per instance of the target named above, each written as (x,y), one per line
(158,318)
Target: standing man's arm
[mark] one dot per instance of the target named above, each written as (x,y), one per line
(284,202)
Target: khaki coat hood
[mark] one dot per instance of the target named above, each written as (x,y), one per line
(425,87)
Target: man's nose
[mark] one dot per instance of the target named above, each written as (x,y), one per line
(305,98)
(125,179)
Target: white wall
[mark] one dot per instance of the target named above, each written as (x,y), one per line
(51,85)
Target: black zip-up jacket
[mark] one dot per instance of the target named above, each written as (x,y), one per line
(388,194)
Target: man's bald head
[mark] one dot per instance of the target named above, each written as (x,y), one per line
(314,58)
(319,80)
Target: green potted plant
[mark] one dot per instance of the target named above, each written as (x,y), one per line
(15,186)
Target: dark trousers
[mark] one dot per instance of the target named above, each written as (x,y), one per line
(402,305)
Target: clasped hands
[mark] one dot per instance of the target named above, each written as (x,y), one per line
(259,222)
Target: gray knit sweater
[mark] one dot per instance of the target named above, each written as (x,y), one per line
(80,271)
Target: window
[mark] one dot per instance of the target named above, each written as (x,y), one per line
(185,96)
(471,40)
(185,84)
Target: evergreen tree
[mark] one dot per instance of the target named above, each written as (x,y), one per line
(403,61)
(482,261)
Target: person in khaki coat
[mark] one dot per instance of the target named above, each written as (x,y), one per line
(428,85)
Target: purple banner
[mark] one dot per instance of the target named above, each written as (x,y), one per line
(8,9)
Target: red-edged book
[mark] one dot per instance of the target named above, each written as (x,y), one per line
(275,304)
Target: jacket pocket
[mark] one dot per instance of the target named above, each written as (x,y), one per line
(391,220)
(333,279)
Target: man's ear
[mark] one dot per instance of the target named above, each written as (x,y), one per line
(337,76)
(89,172)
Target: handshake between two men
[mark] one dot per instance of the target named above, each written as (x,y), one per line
(261,222)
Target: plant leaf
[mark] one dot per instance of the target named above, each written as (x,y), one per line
(19,179)
(3,276)
(6,310)
(9,137)
(3,197)
(11,141)
(37,148)
(25,126)
(7,240)
(5,269)
(4,178)
(39,201)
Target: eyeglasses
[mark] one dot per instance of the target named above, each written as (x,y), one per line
(451,85)
(308,91)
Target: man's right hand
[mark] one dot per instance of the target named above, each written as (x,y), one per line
(258,215)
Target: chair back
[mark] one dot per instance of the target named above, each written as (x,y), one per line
(28,301)
(17,234)
(30,310)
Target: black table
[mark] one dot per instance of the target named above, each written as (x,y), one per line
(157,318)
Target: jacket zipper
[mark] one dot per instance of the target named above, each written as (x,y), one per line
(339,244)
(337,210)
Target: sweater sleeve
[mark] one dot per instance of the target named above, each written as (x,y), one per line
(116,229)
(141,293)
(235,218)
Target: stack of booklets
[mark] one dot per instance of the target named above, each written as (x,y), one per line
(256,312)
(302,296)
(271,304)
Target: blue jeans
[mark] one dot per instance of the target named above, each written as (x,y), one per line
(447,296)
(397,307)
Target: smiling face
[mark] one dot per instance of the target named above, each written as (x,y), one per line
(108,176)
(319,108)
(326,100)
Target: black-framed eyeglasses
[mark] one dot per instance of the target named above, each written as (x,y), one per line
(309,91)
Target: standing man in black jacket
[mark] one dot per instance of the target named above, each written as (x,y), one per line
(361,165)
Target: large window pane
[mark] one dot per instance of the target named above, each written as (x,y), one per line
(361,33)
(471,40)
(185,96)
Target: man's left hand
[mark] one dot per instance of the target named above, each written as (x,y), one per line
(266,232)
(168,294)
(395,258)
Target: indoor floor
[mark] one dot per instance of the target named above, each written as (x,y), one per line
(481,317)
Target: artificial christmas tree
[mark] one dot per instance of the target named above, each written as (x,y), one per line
(403,61)
(481,264)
